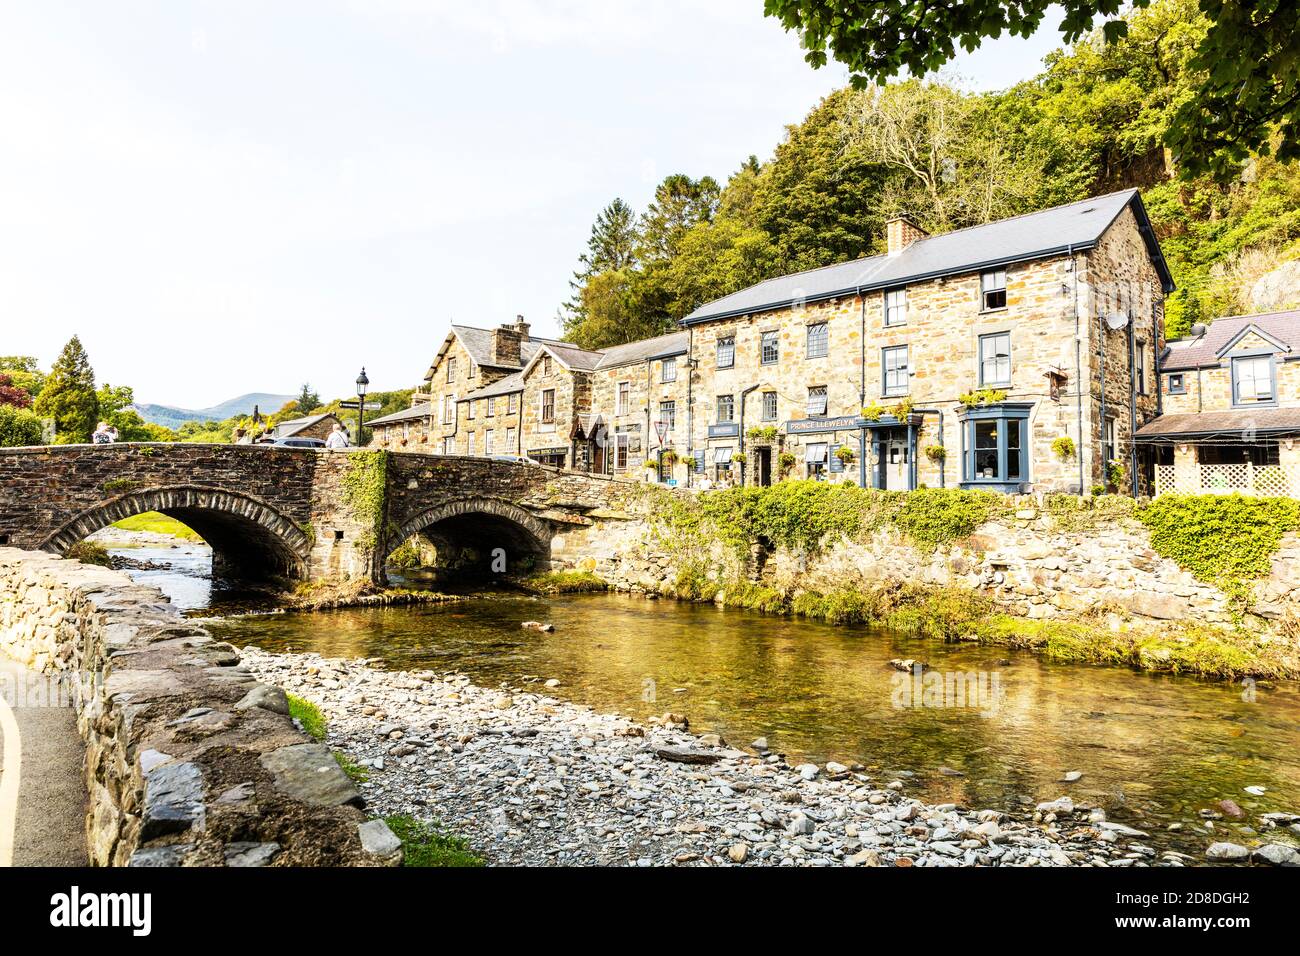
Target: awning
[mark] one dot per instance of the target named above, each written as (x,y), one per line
(815,453)
(1241,424)
(722,456)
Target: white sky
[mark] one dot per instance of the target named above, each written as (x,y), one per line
(225,196)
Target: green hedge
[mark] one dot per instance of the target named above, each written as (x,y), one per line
(19,427)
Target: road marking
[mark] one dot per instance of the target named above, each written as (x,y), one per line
(9,781)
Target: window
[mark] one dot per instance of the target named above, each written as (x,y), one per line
(995,359)
(548,406)
(894,371)
(1140,356)
(406,429)
(993,290)
(896,307)
(448,446)
(668,370)
(668,415)
(469,444)
(469,410)
(816,400)
(624,394)
(818,340)
(472,371)
(451,369)
(1176,384)
(722,462)
(1252,379)
(620,451)
(994,447)
(488,437)
(1109,441)
(771,348)
(727,351)
(815,457)
(510,441)
(491,407)
(448,409)
(546,365)
(769,406)
(512,403)
(726,408)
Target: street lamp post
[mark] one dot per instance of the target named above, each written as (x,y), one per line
(362,382)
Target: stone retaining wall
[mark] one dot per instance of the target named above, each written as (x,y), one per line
(1031,564)
(189,760)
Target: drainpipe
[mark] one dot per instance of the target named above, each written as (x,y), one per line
(1101,332)
(1078,363)
(942,464)
(862,391)
(741,443)
(690,403)
(1132,405)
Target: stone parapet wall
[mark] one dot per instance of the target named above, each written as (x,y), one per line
(189,760)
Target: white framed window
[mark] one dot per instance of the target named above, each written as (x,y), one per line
(547,414)
(1140,355)
(816,400)
(451,368)
(620,451)
(896,307)
(469,444)
(1110,440)
(895,374)
(995,359)
(815,458)
(769,406)
(511,443)
(624,398)
(722,461)
(546,366)
(726,351)
(1252,379)
(668,369)
(993,290)
(770,350)
(512,403)
(406,429)
(469,410)
(726,408)
(819,338)
(668,414)
(487,441)
(491,407)
(449,408)
(448,446)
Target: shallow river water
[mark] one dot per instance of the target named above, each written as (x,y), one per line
(1153,750)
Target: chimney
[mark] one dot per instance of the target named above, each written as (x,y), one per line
(901,232)
(521,327)
(505,343)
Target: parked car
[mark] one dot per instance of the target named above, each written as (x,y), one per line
(298,443)
(516,459)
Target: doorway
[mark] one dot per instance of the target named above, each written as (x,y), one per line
(895,452)
(763,467)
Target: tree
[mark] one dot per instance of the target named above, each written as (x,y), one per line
(11,394)
(1247,91)
(115,408)
(69,396)
(610,247)
(680,204)
(24,371)
(307,399)
(19,427)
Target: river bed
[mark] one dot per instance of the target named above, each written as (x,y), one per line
(1154,750)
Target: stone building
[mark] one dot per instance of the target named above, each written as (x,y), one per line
(1014,355)
(311,426)
(1231,408)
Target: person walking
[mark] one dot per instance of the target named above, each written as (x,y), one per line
(338,438)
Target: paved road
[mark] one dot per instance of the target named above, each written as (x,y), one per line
(42,790)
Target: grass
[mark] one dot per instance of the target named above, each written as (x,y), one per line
(156,523)
(354,770)
(425,844)
(309,715)
(562,582)
(88,552)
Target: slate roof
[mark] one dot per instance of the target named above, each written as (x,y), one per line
(292,426)
(478,343)
(405,415)
(1036,235)
(513,382)
(1190,353)
(1236,422)
(661,346)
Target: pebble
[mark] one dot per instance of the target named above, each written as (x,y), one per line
(531,780)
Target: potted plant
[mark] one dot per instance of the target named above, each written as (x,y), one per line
(845,454)
(1063,447)
(872,412)
(739,458)
(786,461)
(936,453)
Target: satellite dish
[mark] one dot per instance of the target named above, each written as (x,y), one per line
(1116,321)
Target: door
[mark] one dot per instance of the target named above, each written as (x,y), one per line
(763,466)
(897,463)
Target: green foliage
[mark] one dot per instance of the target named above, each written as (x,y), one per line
(1063,447)
(115,485)
(935,516)
(365,491)
(356,773)
(23,372)
(786,460)
(404,557)
(89,552)
(155,523)
(563,582)
(981,397)
(841,606)
(19,427)
(1225,540)
(936,453)
(1115,472)
(425,844)
(68,395)
(308,715)
(873,412)
(767,433)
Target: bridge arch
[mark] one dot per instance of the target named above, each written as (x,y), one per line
(466,531)
(249,538)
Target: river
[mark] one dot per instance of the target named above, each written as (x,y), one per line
(1154,750)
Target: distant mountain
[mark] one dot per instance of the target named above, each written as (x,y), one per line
(171,417)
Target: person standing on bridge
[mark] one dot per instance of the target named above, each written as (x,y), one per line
(105,434)
(338,438)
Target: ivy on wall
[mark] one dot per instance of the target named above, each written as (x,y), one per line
(365,489)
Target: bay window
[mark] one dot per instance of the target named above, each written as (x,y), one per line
(994,447)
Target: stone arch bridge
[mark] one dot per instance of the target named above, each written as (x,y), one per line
(299,514)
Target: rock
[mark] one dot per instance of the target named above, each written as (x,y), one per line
(907,664)
(1256,791)
(865,857)
(800,824)
(241,793)
(503,702)
(1231,809)
(538,626)
(1276,854)
(173,800)
(310,773)
(1227,853)
(710,740)
(553,682)
(739,852)
(686,755)
(1072,776)
(171,855)
(378,840)
(836,769)
(1162,607)
(1059,805)
(759,744)
(1278,289)
(949,772)
(808,771)
(250,854)
(266,697)
(1119,829)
